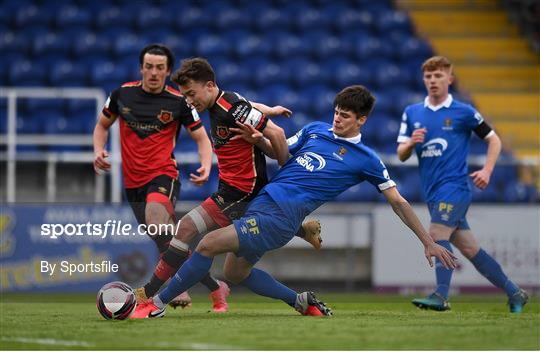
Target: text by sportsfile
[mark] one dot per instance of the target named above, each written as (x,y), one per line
(110,227)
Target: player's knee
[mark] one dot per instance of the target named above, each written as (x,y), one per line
(468,251)
(187,230)
(206,247)
(233,275)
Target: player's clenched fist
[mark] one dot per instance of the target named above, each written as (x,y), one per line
(100,162)
(418,135)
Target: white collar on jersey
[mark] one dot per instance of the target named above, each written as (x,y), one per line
(354,140)
(446,103)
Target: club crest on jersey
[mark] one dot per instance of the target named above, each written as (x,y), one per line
(162,190)
(222,132)
(125,110)
(165,116)
(447,124)
(340,153)
(311,161)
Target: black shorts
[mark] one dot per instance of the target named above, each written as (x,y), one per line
(162,184)
(227,204)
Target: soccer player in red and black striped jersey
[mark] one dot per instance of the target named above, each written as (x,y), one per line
(242,165)
(151,115)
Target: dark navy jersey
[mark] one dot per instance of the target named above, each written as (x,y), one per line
(321,167)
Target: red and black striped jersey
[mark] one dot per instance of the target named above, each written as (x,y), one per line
(241,164)
(149,126)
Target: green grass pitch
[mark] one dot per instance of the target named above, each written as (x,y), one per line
(374,322)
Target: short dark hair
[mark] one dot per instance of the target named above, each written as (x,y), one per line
(357,99)
(197,69)
(158,49)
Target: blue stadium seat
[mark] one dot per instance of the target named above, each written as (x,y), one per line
(34,106)
(190,191)
(32,15)
(409,185)
(287,45)
(372,47)
(11,42)
(66,74)
(393,20)
(349,74)
(352,19)
(126,45)
(228,72)
(303,72)
(231,18)
(414,48)
(112,17)
(211,45)
(327,46)
(520,192)
(50,44)
(153,17)
(179,46)
(108,74)
(273,94)
(252,45)
(320,99)
(70,16)
(23,73)
(310,19)
(391,76)
(59,123)
(192,18)
(91,45)
(273,19)
(28,124)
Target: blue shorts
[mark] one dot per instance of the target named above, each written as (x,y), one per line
(451,212)
(263,227)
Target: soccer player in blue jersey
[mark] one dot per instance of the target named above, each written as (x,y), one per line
(438,130)
(326,160)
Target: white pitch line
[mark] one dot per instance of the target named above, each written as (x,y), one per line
(46,341)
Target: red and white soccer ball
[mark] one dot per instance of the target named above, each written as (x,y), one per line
(116,300)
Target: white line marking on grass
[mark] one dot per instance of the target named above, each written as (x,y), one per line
(194,346)
(47,341)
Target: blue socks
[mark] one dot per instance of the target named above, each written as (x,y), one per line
(261,283)
(442,274)
(487,266)
(191,272)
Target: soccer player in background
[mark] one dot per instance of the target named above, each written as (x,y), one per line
(326,160)
(242,166)
(438,130)
(151,116)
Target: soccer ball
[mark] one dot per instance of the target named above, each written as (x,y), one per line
(116,300)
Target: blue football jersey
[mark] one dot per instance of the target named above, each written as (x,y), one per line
(321,167)
(443,156)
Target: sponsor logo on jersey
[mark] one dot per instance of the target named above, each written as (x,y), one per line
(165,116)
(434,148)
(222,132)
(125,110)
(311,161)
(447,124)
(162,190)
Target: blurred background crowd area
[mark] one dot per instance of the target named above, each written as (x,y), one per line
(294,53)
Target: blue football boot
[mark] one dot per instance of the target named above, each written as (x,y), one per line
(434,301)
(517,301)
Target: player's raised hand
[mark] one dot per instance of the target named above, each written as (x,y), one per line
(481,178)
(201,178)
(247,132)
(418,135)
(447,258)
(100,162)
(280,110)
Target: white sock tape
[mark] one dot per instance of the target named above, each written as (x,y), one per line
(198,221)
(176,243)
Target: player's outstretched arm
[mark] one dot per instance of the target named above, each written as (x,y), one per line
(204,148)
(271,111)
(406,213)
(271,141)
(481,177)
(101,133)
